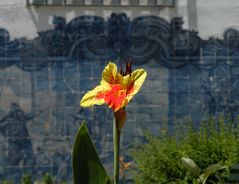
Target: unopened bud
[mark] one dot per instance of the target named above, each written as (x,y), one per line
(121,70)
(120,117)
(129,67)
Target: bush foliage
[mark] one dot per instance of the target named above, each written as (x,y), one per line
(158,161)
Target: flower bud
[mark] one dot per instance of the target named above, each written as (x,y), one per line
(121,71)
(129,67)
(120,117)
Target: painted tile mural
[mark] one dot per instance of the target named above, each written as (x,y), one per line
(42,81)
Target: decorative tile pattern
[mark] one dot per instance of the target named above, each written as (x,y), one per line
(42,81)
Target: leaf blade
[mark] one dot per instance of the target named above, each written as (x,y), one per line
(87,167)
(210,170)
(191,166)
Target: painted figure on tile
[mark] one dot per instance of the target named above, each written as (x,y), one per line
(13,127)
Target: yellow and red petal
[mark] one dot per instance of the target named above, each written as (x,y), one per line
(135,82)
(90,98)
(109,74)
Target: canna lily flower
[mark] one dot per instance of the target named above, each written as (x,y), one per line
(116,89)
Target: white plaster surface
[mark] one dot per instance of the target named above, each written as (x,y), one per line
(218,3)
(213,21)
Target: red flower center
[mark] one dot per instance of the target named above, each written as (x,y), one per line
(115,97)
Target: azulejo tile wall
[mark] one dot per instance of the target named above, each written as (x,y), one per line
(43,80)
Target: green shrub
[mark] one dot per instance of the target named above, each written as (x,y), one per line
(7,182)
(27,179)
(159,160)
(47,179)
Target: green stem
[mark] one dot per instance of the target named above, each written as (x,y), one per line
(116,133)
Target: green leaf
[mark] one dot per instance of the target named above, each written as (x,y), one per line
(87,167)
(191,166)
(210,170)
